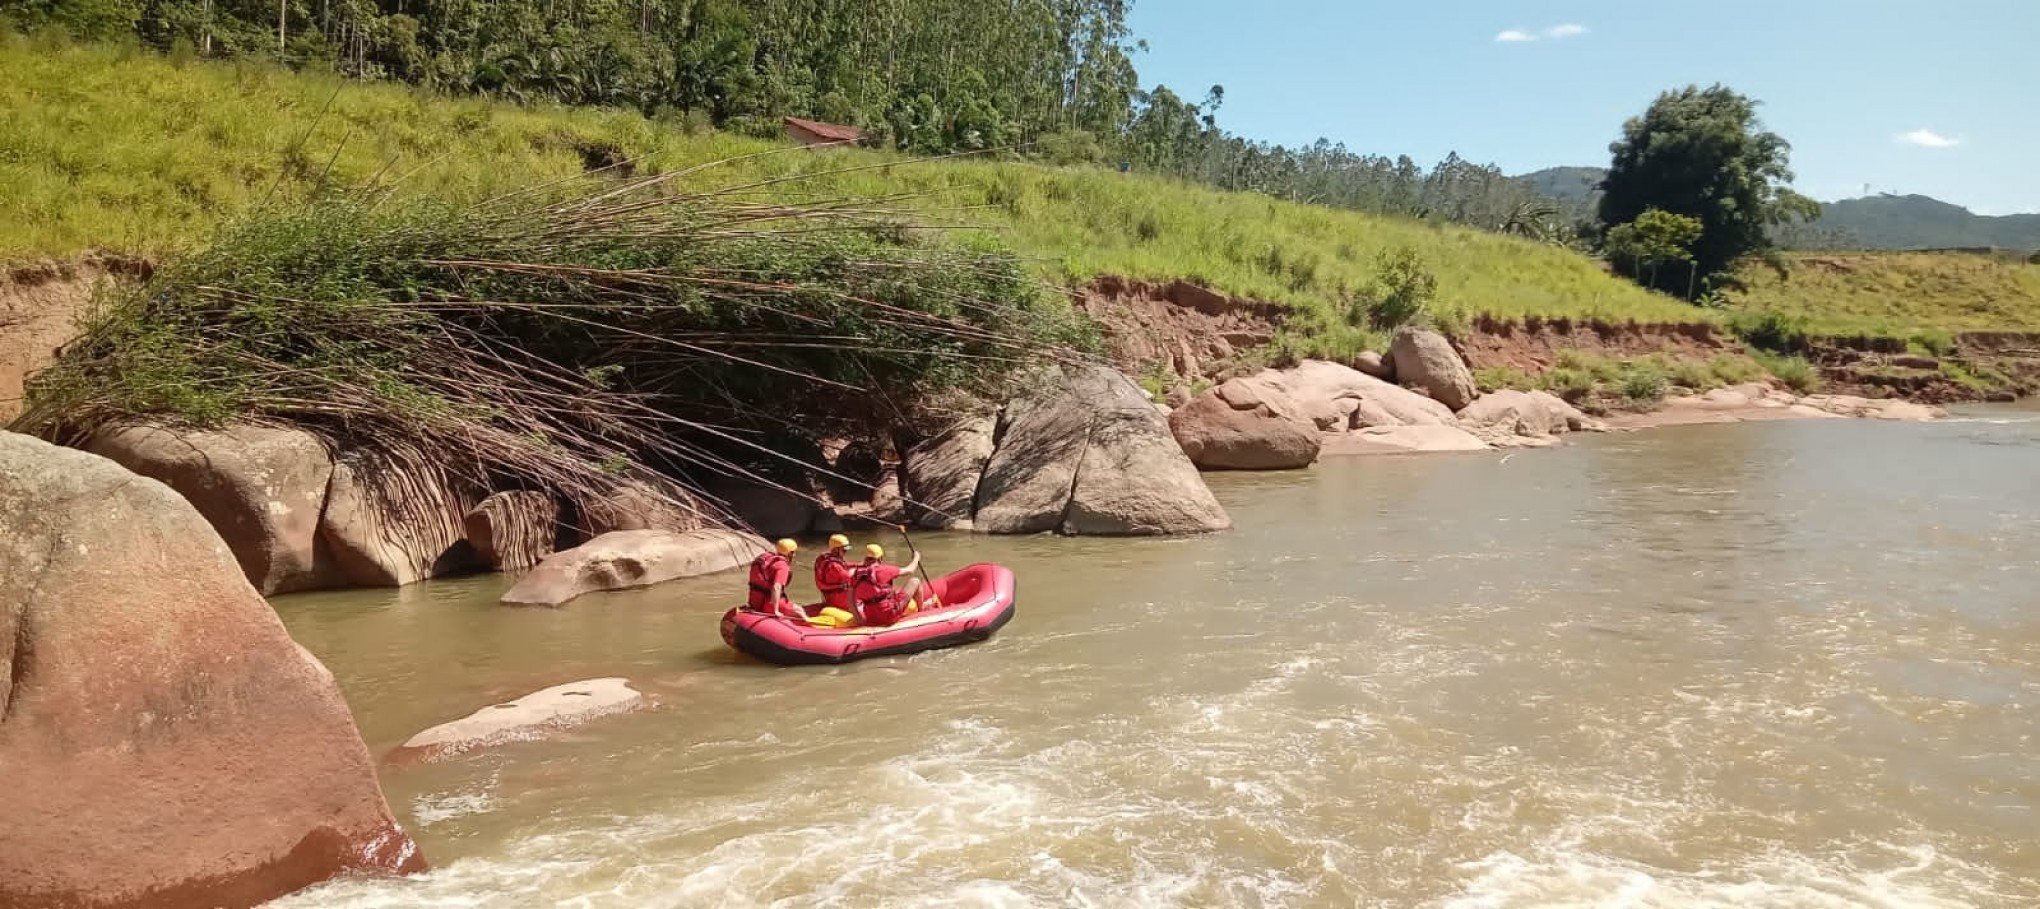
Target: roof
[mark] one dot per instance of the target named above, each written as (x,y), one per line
(830,131)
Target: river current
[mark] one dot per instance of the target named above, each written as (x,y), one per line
(1790,664)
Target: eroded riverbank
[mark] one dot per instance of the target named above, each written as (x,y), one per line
(1787,663)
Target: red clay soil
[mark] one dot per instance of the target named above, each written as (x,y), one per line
(40,303)
(1177,325)
(1532,345)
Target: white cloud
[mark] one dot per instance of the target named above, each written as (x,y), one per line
(1555,33)
(1927,138)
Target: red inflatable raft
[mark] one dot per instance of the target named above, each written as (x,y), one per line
(977,601)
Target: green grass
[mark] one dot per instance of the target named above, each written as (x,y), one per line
(120,149)
(1919,296)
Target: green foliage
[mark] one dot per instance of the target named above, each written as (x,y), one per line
(1894,294)
(1653,239)
(135,155)
(1407,288)
(1643,382)
(1770,331)
(680,326)
(1702,153)
(1791,369)
(1500,377)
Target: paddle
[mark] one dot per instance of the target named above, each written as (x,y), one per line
(927,586)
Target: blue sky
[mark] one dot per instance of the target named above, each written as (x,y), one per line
(1938,98)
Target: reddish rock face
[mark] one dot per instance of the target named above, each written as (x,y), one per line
(1246,424)
(163,742)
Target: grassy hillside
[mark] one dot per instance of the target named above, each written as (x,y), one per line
(125,150)
(1897,293)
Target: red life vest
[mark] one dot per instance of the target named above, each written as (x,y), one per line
(767,570)
(877,602)
(833,578)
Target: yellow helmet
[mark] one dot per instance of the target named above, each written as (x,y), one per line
(788,547)
(838,541)
(874,551)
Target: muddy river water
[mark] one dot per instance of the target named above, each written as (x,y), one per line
(1778,664)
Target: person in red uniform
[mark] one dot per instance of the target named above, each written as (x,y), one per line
(832,575)
(880,601)
(771,571)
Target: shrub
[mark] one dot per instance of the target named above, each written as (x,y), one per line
(1793,370)
(1407,287)
(1771,331)
(1500,377)
(1643,382)
(1570,383)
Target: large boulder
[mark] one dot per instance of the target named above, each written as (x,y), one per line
(942,473)
(1246,424)
(1426,360)
(397,518)
(773,510)
(632,558)
(162,739)
(262,488)
(511,531)
(1085,452)
(1339,398)
(1536,414)
(533,716)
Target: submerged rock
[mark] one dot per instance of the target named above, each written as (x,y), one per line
(530,717)
(262,488)
(1426,360)
(162,739)
(1246,424)
(1084,452)
(632,558)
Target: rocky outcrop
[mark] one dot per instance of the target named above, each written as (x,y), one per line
(1085,452)
(1425,359)
(1246,424)
(1875,409)
(262,488)
(511,531)
(163,740)
(1375,365)
(1338,398)
(640,506)
(1178,327)
(1508,414)
(942,473)
(1404,440)
(631,558)
(397,518)
(533,716)
(775,510)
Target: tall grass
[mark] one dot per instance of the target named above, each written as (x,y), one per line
(1894,294)
(111,148)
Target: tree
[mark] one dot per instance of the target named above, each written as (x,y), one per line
(1703,153)
(1654,238)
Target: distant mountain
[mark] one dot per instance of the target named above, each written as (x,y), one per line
(1920,222)
(1872,222)
(1571,185)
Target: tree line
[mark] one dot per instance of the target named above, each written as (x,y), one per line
(1049,78)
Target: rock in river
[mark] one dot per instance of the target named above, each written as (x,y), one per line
(1084,452)
(1248,423)
(530,717)
(261,487)
(511,531)
(632,558)
(163,742)
(1426,360)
